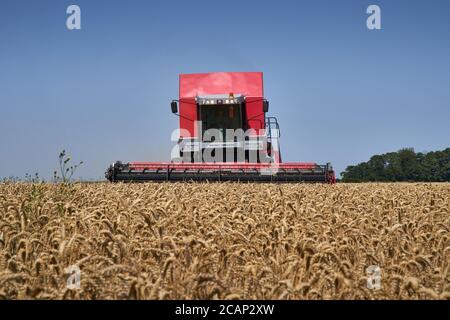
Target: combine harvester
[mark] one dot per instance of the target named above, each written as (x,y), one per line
(224,135)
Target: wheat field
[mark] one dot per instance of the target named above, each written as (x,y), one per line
(224,241)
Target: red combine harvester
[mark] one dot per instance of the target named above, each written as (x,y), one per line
(224,135)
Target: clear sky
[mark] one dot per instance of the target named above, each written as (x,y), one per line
(341,92)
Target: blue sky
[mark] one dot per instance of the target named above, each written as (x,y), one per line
(340,91)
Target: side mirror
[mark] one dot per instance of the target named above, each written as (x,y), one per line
(174,106)
(265,106)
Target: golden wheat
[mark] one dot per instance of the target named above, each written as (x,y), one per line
(224,241)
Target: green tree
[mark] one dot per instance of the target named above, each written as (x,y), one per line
(403,165)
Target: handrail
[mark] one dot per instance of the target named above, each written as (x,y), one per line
(272,121)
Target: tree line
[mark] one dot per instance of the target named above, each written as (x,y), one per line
(403,165)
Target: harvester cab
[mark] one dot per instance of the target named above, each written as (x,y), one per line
(223,131)
(225,135)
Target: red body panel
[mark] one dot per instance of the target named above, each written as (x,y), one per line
(201,84)
(255,114)
(188,116)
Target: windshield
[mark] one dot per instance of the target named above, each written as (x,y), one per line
(221,117)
